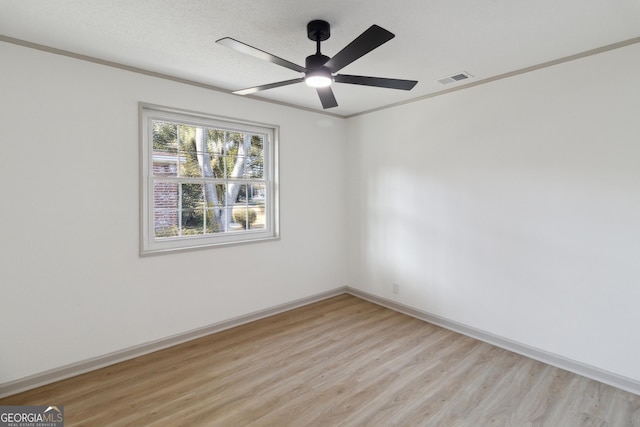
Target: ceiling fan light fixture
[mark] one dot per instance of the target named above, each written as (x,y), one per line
(318,79)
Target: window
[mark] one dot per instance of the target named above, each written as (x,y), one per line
(205,181)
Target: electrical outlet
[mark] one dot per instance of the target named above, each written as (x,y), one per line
(396,288)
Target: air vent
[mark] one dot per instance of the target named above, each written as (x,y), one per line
(455,78)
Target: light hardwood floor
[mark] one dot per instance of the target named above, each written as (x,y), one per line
(339,362)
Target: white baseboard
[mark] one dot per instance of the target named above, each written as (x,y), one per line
(68,371)
(597,374)
(53,375)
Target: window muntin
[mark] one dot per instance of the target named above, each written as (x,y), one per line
(206,181)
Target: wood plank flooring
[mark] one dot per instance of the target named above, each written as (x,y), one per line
(339,362)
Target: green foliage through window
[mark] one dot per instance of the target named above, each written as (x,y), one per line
(212,178)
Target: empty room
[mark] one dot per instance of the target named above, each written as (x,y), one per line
(297,213)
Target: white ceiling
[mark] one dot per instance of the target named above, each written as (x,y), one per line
(434,38)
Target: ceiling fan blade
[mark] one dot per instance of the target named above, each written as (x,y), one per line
(268,86)
(260,54)
(327,98)
(373,37)
(375,81)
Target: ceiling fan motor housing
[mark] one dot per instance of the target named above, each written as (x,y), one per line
(316,62)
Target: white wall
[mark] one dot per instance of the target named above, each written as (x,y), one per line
(72,284)
(512,207)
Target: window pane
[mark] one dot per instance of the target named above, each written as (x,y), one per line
(248,211)
(166,223)
(165,164)
(234,166)
(235,154)
(165,149)
(216,166)
(165,137)
(240,193)
(214,225)
(162,231)
(215,146)
(238,218)
(256,197)
(192,209)
(192,221)
(240,214)
(255,163)
(216,219)
(258,214)
(191,159)
(165,208)
(256,194)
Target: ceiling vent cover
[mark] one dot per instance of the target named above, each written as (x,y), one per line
(455,78)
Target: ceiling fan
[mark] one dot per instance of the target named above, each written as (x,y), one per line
(320,70)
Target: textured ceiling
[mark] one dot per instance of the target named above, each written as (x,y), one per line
(434,39)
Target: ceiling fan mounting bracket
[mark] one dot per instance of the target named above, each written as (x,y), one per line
(316,62)
(318,30)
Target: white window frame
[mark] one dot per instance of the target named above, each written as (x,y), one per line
(149,244)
